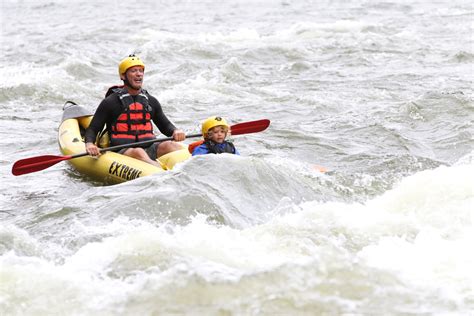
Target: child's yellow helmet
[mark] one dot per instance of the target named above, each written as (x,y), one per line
(211,122)
(128,62)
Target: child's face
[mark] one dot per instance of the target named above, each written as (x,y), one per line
(217,134)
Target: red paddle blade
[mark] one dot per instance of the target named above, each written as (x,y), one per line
(34,164)
(249,127)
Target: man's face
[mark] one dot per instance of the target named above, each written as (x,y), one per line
(135,76)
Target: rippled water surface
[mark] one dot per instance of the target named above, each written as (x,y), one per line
(380,93)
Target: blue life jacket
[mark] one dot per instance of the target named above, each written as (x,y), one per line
(210,147)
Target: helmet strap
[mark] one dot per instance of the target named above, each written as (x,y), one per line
(127,83)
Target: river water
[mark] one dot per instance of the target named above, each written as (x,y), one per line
(378,92)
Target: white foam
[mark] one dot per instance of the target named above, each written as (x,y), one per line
(24,74)
(399,234)
(311,29)
(421,231)
(443,197)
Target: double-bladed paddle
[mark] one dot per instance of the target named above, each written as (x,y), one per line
(33,164)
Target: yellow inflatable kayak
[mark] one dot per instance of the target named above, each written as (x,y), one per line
(109,167)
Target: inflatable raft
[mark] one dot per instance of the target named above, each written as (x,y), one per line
(110,167)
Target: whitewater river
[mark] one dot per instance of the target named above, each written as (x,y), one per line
(378,92)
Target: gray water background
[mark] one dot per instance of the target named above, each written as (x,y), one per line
(378,92)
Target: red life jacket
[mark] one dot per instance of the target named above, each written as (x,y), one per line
(192,146)
(134,123)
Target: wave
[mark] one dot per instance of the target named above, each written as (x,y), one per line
(417,234)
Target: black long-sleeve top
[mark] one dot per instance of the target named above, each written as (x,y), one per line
(109,110)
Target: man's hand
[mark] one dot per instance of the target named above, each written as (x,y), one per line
(178,135)
(92,149)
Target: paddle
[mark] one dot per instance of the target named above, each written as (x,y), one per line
(33,164)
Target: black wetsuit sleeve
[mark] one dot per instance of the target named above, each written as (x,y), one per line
(101,117)
(160,119)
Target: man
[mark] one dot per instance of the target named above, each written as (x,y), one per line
(127,113)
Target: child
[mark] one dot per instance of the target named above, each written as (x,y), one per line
(214,131)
